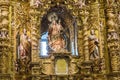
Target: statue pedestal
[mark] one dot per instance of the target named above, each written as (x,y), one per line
(5,76)
(61,59)
(86,69)
(59,65)
(60,54)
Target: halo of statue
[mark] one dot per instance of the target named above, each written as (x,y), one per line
(52,16)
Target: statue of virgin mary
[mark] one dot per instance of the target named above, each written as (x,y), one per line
(55,39)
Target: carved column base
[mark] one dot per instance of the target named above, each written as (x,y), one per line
(86,67)
(5,77)
(35,68)
(22,77)
(53,77)
(114,76)
(86,70)
(99,77)
(36,71)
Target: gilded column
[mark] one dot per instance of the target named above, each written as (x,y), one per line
(112,40)
(35,35)
(34,32)
(85,36)
(5,34)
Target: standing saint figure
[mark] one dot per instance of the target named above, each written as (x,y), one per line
(93,45)
(55,38)
(25,46)
(23,52)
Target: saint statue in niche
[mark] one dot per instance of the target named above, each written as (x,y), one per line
(25,46)
(23,52)
(93,45)
(56,40)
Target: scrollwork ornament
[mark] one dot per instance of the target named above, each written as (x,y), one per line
(36,3)
(80,3)
(114,61)
(110,3)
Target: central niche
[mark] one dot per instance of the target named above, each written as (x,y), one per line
(57,39)
(58,32)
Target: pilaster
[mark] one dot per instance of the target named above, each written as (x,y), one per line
(35,35)
(5,45)
(113,41)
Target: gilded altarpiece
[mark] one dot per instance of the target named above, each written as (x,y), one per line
(59,40)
